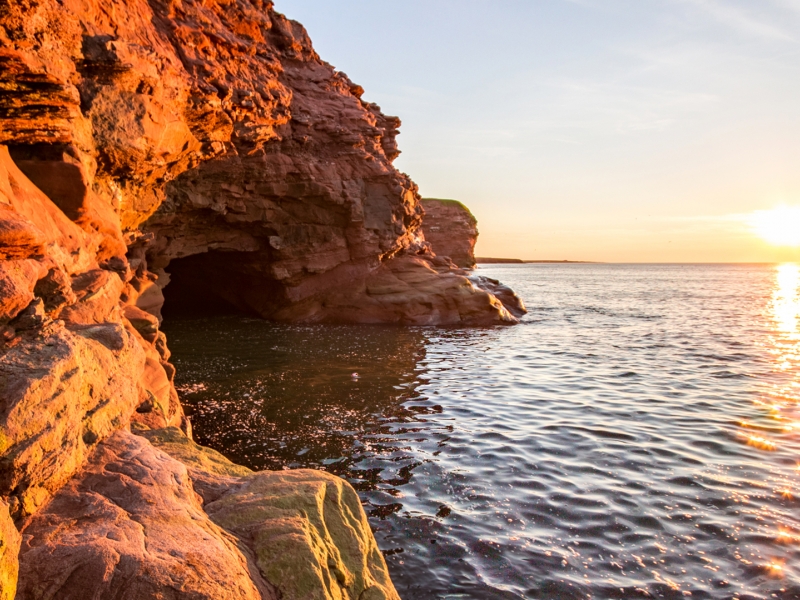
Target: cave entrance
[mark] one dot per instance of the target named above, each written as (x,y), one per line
(204,285)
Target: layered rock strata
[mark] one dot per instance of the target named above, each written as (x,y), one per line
(451,229)
(203,142)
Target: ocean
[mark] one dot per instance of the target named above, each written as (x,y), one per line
(636,436)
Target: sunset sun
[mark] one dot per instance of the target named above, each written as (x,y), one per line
(779,226)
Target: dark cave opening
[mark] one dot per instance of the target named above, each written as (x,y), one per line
(204,285)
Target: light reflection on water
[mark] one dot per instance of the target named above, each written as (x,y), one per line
(635,437)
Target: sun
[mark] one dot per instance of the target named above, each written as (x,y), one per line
(779,226)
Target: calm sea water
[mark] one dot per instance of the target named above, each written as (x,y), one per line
(637,436)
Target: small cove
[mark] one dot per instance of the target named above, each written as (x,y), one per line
(634,437)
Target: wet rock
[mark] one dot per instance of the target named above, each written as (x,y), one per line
(505,294)
(411,290)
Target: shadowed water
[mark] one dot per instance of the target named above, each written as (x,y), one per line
(638,436)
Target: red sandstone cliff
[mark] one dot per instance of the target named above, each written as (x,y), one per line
(202,141)
(451,229)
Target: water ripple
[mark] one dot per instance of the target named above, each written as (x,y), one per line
(636,437)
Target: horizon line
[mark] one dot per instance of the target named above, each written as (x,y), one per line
(522,261)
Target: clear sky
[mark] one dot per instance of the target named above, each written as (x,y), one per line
(607,130)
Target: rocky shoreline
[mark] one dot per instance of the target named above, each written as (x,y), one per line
(199,154)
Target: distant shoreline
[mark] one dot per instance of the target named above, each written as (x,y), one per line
(518,261)
(483,260)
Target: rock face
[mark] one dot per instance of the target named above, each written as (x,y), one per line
(133,526)
(213,131)
(451,229)
(199,149)
(9,550)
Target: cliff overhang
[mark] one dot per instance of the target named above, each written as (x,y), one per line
(207,144)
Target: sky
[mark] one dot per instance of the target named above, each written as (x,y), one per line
(600,130)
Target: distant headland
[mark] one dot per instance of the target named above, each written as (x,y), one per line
(484,260)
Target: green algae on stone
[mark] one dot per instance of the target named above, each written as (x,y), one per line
(175,443)
(309,533)
(306,528)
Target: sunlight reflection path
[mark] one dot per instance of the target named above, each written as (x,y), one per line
(781,402)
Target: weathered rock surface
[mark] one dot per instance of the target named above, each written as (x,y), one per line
(9,549)
(307,529)
(60,393)
(503,293)
(451,229)
(131,527)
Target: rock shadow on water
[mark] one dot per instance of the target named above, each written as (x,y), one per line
(285,396)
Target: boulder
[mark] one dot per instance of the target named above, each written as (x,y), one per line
(309,534)
(307,529)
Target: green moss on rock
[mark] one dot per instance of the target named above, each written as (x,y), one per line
(309,533)
(307,529)
(175,443)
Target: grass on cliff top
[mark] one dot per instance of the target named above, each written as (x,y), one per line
(446,201)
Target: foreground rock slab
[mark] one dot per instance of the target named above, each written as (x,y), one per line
(306,528)
(131,527)
(134,526)
(309,533)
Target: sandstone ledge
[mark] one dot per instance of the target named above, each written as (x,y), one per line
(168,518)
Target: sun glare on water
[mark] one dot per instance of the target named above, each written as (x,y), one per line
(779,226)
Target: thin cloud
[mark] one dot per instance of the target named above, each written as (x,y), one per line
(743,21)
(792,5)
